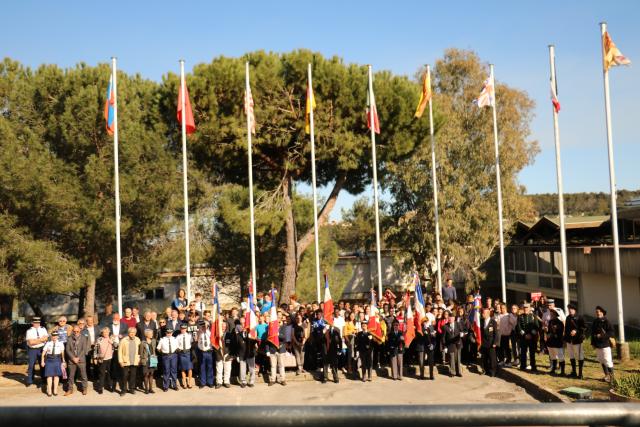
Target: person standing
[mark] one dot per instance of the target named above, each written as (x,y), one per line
(506,323)
(298,341)
(247,348)
(350,330)
(180,303)
(449,291)
(395,344)
(52,358)
(555,342)
(276,356)
(527,329)
(205,355)
(574,332)
(490,340)
(36,338)
(601,334)
(92,332)
(168,345)
(148,360)
(333,343)
(364,351)
(146,324)
(185,365)
(224,358)
(452,336)
(128,320)
(425,346)
(103,353)
(129,359)
(77,349)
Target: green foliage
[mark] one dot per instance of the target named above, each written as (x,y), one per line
(356,231)
(579,204)
(627,385)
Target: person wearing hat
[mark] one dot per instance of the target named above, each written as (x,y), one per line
(185,365)
(205,354)
(168,345)
(601,334)
(364,350)
(574,333)
(425,345)
(528,329)
(52,359)
(36,338)
(555,334)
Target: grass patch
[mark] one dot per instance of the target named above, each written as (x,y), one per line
(627,385)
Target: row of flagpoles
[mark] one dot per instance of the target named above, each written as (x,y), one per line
(487,98)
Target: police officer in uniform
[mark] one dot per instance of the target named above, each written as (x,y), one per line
(555,342)
(395,344)
(574,330)
(36,338)
(168,345)
(490,340)
(364,351)
(527,329)
(205,355)
(185,364)
(333,348)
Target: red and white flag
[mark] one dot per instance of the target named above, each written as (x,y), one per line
(328,302)
(250,320)
(248,110)
(418,304)
(410,328)
(371,104)
(273,335)
(187,115)
(375,328)
(487,97)
(554,98)
(216,326)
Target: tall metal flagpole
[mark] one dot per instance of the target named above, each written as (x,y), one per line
(499,188)
(612,181)
(435,184)
(556,134)
(247,91)
(184,179)
(117,182)
(374,166)
(313,184)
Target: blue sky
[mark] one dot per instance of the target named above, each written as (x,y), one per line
(149,38)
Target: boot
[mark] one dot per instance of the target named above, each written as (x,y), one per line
(610,374)
(573,369)
(580,364)
(562,368)
(606,373)
(431,372)
(554,365)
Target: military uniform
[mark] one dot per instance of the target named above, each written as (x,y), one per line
(490,340)
(364,351)
(601,334)
(528,330)
(574,342)
(395,346)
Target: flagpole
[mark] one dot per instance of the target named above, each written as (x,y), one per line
(184,178)
(313,183)
(435,184)
(250,156)
(117,182)
(563,235)
(499,188)
(612,182)
(375,181)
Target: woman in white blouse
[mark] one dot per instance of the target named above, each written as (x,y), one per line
(53,360)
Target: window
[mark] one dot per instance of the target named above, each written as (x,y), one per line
(157,293)
(519,255)
(532,262)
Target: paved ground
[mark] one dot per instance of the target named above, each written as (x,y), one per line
(471,388)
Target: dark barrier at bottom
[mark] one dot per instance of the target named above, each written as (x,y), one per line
(589,414)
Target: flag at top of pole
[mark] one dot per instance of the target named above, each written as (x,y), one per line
(487,97)
(554,98)
(248,109)
(612,56)
(425,95)
(108,107)
(187,115)
(310,105)
(371,106)
(328,302)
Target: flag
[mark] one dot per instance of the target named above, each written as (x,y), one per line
(554,98)
(612,55)
(191,125)
(311,105)
(248,110)
(109,106)
(371,103)
(328,302)
(375,328)
(418,304)
(273,335)
(217,339)
(487,97)
(250,321)
(474,317)
(425,95)
(410,327)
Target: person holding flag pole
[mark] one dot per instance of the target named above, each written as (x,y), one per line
(185,118)
(111,117)
(425,98)
(556,133)
(611,57)
(251,130)
(309,129)
(487,98)
(374,125)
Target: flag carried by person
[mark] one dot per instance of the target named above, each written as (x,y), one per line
(273,335)
(310,105)
(327,306)
(250,320)
(217,339)
(474,317)
(371,105)
(108,107)
(612,55)
(410,327)
(418,304)
(425,95)
(248,109)
(375,328)
(188,113)
(554,98)
(487,97)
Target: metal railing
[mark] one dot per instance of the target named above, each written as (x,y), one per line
(589,414)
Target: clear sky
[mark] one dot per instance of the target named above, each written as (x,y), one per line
(149,38)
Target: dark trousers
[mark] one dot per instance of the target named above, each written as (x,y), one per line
(34,355)
(128,381)
(504,352)
(528,346)
(366,360)
(104,376)
(513,339)
(116,369)
(333,361)
(169,370)
(489,361)
(205,359)
(75,368)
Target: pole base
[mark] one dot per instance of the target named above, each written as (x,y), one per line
(622,351)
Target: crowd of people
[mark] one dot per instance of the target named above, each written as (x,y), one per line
(175,349)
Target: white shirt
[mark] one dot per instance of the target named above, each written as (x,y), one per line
(115,331)
(52,348)
(35,333)
(204,340)
(184,341)
(92,334)
(200,306)
(432,318)
(167,345)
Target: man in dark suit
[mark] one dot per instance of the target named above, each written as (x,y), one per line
(144,324)
(76,351)
(333,348)
(453,341)
(174,323)
(490,339)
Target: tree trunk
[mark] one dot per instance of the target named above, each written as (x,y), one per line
(290,257)
(90,298)
(82,297)
(37,310)
(6,331)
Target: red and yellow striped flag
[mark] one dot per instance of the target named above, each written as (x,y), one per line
(612,55)
(425,95)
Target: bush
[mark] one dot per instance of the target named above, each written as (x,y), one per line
(627,385)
